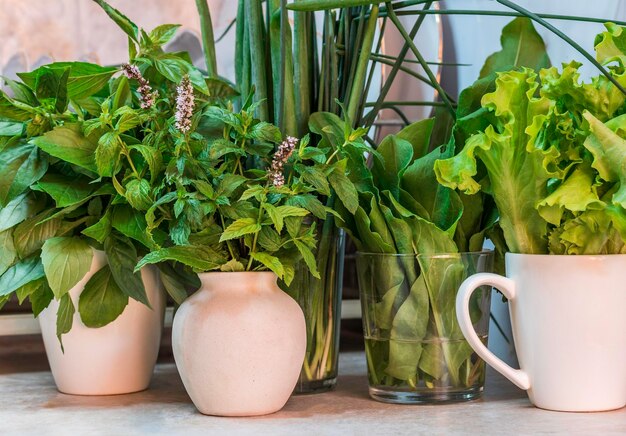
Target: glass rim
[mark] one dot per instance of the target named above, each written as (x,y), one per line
(432,256)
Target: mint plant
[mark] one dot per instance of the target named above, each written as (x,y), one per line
(80,147)
(239,199)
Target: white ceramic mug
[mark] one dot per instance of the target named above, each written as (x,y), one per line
(568,315)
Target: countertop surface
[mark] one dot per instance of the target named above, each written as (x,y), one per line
(30,404)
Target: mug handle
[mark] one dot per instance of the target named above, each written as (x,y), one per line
(507,287)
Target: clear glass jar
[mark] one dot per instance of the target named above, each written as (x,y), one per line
(415,350)
(320,300)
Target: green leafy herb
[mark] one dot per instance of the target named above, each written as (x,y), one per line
(402,209)
(82,152)
(65,261)
(102,300)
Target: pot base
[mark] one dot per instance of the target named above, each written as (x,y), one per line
(92,393)
(430,396)
(581,409)
(115,359)
(315,386)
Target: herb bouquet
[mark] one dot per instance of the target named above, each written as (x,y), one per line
(238,204)
(235,200)
(279,54)
(549,152)
(411,235)
(417,241)
(80,145)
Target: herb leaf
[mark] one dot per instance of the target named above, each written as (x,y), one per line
(102,301)
(240,227)
(122,258)
(68,143)
(21,273)
(65,261)
(201,258)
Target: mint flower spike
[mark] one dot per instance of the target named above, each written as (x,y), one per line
(148,96)
(185,103)
(282,155)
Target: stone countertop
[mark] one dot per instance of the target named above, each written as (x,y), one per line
(30,404)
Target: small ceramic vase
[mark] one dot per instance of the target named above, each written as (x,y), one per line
(239,344)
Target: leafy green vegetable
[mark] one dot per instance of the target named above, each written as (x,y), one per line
(102,300)
(550,151)
(201,258)
(22,167)
(522,46)
(70,144)
(82,152)
(252,211)
(65,316)
(65,261)
(7,250)
(403,210)
(421,206)
(19,274)
(517,177)
(64,190)
(122,258)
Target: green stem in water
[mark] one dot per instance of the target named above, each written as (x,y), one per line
(370,364)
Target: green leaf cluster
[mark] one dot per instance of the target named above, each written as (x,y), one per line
(81,161)
(220,207)
(400,208)
(550,155)
(92,158)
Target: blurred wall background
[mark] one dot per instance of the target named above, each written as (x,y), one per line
(34,32)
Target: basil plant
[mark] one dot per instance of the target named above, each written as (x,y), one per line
(81,148)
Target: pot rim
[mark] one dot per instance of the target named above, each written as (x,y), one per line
(237,272)
(243,280)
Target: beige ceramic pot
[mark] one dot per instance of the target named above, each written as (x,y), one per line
(239,344)
(118,358)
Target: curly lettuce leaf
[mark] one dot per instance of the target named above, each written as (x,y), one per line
(609,156)
(587,208)
(600,97)
(576,193)
(515,169)
(610,45)
(591,232)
